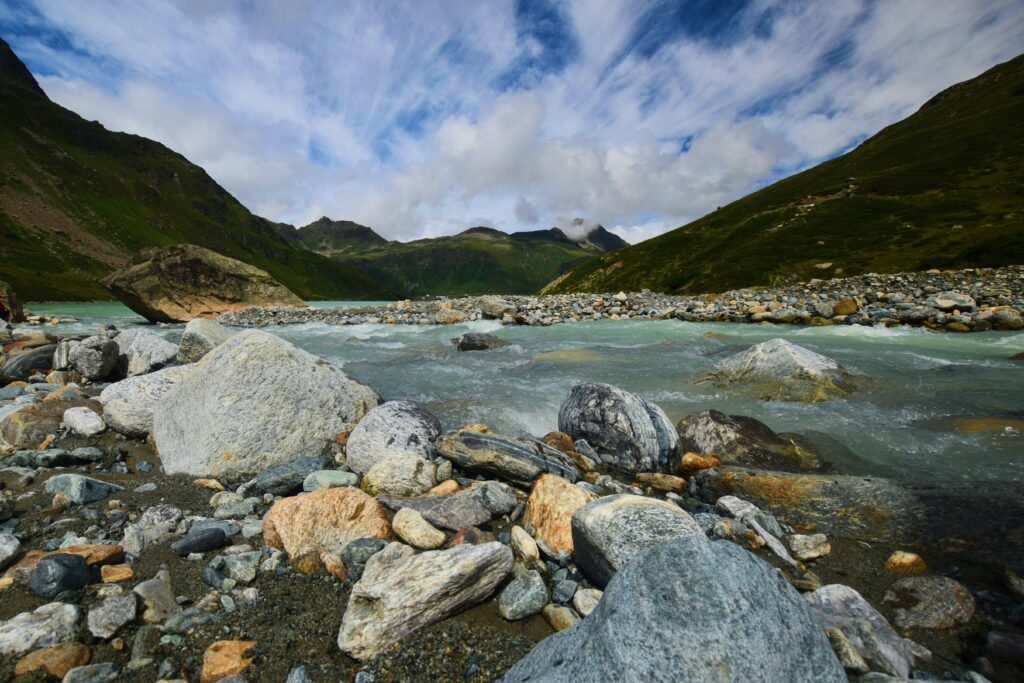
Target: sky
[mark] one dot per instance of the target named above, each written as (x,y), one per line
(426,117)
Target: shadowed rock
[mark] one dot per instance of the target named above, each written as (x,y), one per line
(980,520)
(744,441)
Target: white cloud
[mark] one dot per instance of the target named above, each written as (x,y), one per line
(393,115)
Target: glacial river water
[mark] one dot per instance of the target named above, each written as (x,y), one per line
(931,406)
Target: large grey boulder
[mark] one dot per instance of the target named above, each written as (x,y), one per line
(141,352)
(391,428)
(629,433)
(401,591)
(519,461)
(128,405)
(95,357)
(689,611)
(200,337)
(610,532)
(62,355)
(780,370)
(472,506)
(254,402)
(841,607)
(741,440)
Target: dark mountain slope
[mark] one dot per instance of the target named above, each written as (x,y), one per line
(76,200)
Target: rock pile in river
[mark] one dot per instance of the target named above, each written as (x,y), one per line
(976,299)
(302,530)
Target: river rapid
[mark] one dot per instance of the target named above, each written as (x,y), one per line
(930,406)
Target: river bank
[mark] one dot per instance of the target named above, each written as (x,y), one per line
(974,300)
(213,483)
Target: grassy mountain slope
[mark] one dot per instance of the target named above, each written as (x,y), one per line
(942,188)
(475,261)
(76,200)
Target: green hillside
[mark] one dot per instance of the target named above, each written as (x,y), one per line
(476,261)
(942,188)
(76,200)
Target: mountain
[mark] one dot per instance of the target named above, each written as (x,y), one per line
(333,238)
(476,261)
(76,200)
(943,188)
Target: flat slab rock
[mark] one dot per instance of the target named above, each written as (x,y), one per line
(401,591)
(519,461)
(638,633)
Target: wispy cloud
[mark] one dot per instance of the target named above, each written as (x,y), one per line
(424,118)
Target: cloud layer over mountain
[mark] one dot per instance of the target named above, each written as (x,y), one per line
(424,118)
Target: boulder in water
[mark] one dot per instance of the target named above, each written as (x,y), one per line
(671,615)
(184,281)
(780,370)
(968,519)
(741,440)
(479,341)
(629,433)
(254,402)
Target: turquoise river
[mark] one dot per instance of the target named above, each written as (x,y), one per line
(930,406)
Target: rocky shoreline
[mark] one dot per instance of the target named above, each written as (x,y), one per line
(234,508)
(973,300)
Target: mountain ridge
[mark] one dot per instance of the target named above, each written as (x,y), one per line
(942,188)
(77,200)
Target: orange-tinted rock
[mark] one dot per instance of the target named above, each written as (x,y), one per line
(902,562)
(559,441)
(483,429)
(661,482)
(112,573)
(692,463)
(313,528)
(225,658)
(846,306)
(549,510)
(65,393)
(55,660)
(445,487)
(211,484)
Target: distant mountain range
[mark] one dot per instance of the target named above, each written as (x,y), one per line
(475,261)
(942,188)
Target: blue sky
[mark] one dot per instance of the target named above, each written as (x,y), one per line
(423,118)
